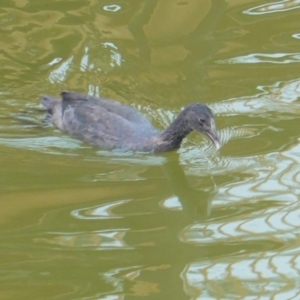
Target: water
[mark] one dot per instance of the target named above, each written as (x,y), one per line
(83,223)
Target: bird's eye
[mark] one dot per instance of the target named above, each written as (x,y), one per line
(201,120)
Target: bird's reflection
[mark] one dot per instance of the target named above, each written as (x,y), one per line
(194,202)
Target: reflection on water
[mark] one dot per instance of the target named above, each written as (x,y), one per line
(269,274)
(84,223)
(280,221)
(60,73)
(278,97)
(99,212)
(41,143)
(102,240)
(274,7)
(255,58)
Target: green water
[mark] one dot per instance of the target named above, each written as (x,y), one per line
(83,223)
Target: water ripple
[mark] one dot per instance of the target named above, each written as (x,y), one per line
(94,240)
(53,145)
(268,275)
(257,58)
(112,8)
(273,7)
(98,212)
(281,222)
(279,97)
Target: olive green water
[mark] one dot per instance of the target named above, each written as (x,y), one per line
(83,223)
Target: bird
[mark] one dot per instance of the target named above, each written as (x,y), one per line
(109,124)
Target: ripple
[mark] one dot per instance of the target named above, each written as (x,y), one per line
(99,212)
(112,8)
(60,73)
(51,145)
(267,275)
(205,160)
(273,7)
(279,97)
(94,240)
(296,36)
(282,223)
(257,58)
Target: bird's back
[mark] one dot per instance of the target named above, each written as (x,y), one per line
(100,122)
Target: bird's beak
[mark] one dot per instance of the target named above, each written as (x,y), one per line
(213,135)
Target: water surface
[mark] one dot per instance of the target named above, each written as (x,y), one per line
(83,223)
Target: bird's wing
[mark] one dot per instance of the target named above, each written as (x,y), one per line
(98,126)
(126,112)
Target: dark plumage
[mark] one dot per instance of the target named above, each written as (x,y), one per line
(110,124)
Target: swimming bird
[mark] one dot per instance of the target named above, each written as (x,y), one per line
(110,124)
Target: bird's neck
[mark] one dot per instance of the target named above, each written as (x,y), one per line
(176,132)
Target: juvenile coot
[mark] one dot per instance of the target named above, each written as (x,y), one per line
(110,124)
